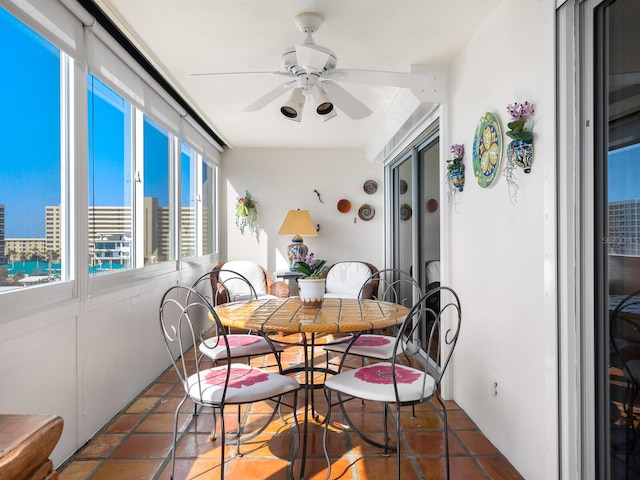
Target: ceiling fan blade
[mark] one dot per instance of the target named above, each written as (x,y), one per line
(418,81)
(230,74)
(269,97)
(311,59)
(346,102)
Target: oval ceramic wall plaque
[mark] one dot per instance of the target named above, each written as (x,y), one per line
(487,150)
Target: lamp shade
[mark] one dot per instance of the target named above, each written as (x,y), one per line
(298,222)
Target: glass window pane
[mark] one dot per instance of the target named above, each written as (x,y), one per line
(30,168)
(157,211)
(188,195)
(619,191)
(110,227)
(208,212)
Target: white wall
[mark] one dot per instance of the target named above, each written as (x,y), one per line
(498,248)
(284,179)
(88,357)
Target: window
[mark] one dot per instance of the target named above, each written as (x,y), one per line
(188,195)
(30,171)
(110,179)
(148,190)
(207,224)
(157,211)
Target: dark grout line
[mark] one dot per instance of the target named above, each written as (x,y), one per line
(354,459)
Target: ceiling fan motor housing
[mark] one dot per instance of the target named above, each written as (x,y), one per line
(317,58)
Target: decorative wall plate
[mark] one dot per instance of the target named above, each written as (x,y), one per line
(432,205)
(344,205)
(370,187)
(405,212)
(487,150)
(366,212)
(403,187)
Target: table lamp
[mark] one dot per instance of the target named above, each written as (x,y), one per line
(299,224)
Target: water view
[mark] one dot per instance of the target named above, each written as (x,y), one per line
(37,268)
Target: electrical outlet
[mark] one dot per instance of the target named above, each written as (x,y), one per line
(494,387)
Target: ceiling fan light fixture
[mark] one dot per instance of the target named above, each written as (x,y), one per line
(292,108)
(328,116)
(324,106)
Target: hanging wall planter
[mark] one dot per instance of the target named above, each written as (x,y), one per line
(520,150)
(521,153)
(455,171)
(247,215)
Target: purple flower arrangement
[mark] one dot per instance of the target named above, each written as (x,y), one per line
(309,266)
(455,167)
(457,151)
(520,113)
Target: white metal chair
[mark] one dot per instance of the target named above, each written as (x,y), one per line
(343,280)
(181,310)
(427,339)
(392,285)
(240,344)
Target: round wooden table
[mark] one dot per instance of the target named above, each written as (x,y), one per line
(287,316)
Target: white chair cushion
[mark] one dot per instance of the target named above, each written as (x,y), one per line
(374,346)
(246,384)
(251,271)
(345,279)
(433,271)
(242,345)
(375,383)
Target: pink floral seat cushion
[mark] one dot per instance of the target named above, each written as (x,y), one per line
(242,345)
(246,384)
(375,383)
(374,346)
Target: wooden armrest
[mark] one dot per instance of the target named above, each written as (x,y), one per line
(280,289)
(26,441)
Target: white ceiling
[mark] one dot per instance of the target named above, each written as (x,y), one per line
(195,36)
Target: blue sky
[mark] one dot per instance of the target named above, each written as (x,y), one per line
(624,173)
(29,162)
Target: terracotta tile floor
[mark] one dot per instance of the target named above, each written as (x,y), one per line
(136,444)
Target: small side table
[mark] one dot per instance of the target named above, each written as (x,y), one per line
(291,278)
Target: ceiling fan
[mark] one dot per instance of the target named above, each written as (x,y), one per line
(312,72)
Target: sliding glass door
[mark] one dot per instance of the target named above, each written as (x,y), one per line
(414,206)
(617,256)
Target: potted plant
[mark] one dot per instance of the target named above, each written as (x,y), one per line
(455,167)
(311,287)
(247,215)
(521,146)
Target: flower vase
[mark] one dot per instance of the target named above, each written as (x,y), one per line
(521,153)
(456,177)
(311,292)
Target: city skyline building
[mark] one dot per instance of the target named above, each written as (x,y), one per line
(3,258)
(106,225)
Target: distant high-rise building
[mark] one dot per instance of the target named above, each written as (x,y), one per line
(53,230)
(113,249)
(107,224)
(624,228)
(3,258)
(25,248)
